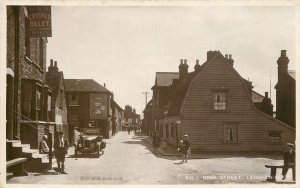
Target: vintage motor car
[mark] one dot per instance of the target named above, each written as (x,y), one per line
(89,142)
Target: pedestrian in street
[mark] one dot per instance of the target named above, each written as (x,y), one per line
(155,141)
(61,147)
(101,143)
(44,148)
(128,130)
(289,160)
(186,148)
(180,150)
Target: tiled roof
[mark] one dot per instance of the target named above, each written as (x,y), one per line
(292,73)
(166,78)
(84,85)
(256,97)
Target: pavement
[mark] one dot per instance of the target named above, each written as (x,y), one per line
(130,159)
(171,150)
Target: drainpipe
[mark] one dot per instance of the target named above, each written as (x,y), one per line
(16,71)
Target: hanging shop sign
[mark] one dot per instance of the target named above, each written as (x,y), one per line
(39,21)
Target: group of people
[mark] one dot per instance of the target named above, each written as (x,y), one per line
(61,146)
(131,128)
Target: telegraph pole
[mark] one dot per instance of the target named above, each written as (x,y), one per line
(146,97)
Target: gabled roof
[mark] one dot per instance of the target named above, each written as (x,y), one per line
(165,78)
(84,85)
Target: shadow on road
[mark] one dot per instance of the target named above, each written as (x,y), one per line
(85,155)
(132,142)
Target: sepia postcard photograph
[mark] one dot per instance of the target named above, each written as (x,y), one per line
(167,93)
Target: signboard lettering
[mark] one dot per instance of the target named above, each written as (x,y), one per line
(39,21)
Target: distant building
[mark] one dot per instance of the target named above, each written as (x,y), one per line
(285,92)
(148,121)
(131,118)
(89,105)
(118,117)
(218,109)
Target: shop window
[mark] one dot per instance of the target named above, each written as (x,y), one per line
(230,132)
(219,101)
(274,136)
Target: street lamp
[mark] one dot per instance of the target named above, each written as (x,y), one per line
(178,123)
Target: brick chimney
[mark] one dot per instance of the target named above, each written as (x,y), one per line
(52,68)
(267,106)
(282,63)
(197,66)
(183,69)
(210,54)
(230,60)
(55,68)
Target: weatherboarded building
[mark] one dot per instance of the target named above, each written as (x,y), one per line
(219,111)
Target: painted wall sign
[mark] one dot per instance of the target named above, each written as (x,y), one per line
(98,106)
(39,21)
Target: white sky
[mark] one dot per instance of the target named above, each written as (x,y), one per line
(124,46)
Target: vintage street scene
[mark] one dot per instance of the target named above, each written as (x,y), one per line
(162,95)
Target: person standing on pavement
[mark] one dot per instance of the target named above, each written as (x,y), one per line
(44,148)
(186,147)
(61,147)
(289,161)
(155,141)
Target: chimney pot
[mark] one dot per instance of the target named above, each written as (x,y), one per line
(181,61)
(55,63)
(226,56)
(104,85)
(230,56)
(266,95)
(185,61)
(197,61)
(283,53)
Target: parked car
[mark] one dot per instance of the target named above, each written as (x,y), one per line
(90,142)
